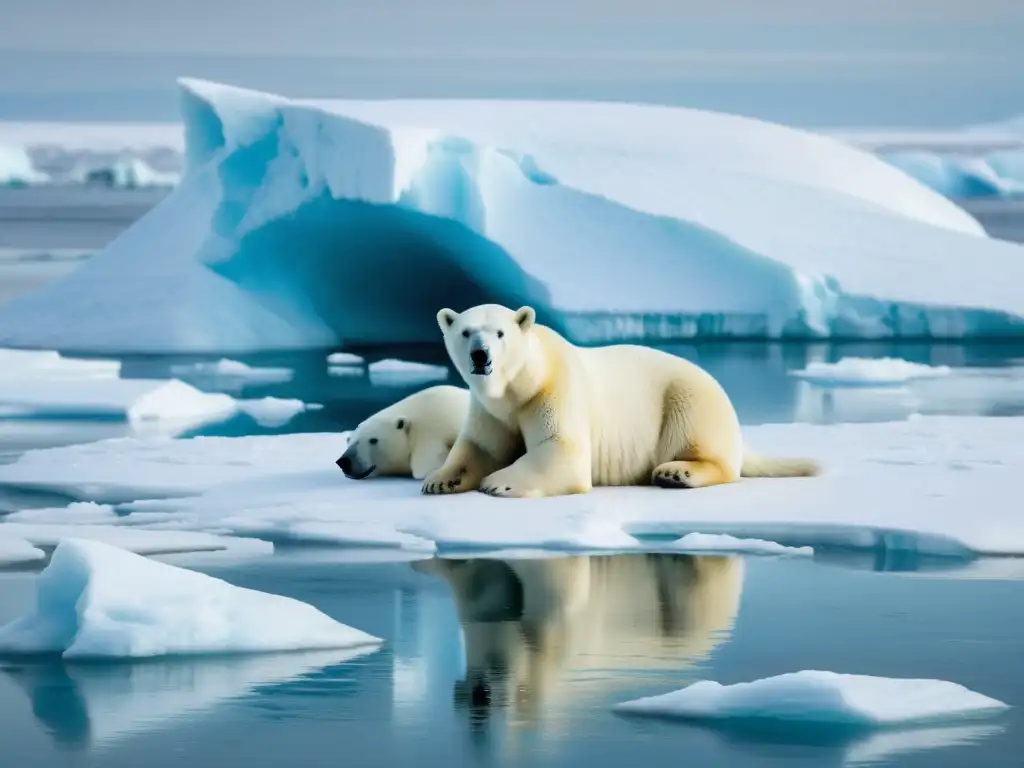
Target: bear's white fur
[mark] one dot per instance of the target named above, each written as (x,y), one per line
(541,634)
(412,436)
(548,418)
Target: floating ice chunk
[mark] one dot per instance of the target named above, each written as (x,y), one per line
(17,551)
(826,698)
(126,173)
(284,528)
(704,542)
(344,358)
(140,401)
(865,371)
(134,539)
(275,411)
(233,369)
(28,364)
(388,370)
(81,512)
(95,600)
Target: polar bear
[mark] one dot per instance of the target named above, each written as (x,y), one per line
(412,436)
(547,418)
(541,635)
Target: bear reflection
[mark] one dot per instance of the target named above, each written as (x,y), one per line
(542,634)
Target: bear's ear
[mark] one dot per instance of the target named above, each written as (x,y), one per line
(525,317)
(403,424)
(446,318)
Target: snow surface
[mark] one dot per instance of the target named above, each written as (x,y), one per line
(17,551)
(866,371)
(290,212)
(825,698)
(705,542)
(95,600)
(937,485)
(16,167)
(998,175)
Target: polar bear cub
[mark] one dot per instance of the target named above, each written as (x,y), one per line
(412,436)
(547,418)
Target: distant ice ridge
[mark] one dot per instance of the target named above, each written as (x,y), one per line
(999,174)
(942,486)
(824,699)
(615,221)
(126,173)
(16,167)
(95,600)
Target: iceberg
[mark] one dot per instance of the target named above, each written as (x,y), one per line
(97,601)
(822,698)
(16,168)
(615,221)
(1000,174)
(936,485)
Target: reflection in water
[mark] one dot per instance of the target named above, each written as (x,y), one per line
(85,705)
(540,636)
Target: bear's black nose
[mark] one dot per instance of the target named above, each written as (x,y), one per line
(479,358)
(480,695)
(345,464)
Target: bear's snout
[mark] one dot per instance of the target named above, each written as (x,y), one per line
(344,463)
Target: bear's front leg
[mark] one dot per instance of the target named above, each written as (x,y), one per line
(462,471)
(557,467)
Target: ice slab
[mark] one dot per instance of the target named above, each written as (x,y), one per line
(291,210)
(131,537)
(17,551)
(233,370)
(865,371)
(709,542)
(95,600)
(825,698)
(939,485)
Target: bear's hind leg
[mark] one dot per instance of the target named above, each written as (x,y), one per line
(698,473)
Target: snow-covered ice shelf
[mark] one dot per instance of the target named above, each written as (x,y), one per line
(615,221)
(938,485)
(95,600)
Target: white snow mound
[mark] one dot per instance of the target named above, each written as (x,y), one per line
(290,211)
(95,600)
(826,698)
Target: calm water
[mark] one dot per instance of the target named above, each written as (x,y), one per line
(477,669)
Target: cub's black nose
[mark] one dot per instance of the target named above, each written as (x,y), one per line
(479,358)
(345,464)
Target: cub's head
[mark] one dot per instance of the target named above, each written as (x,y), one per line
(379,446)
(488,344)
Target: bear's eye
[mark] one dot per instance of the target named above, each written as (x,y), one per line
(373,441)
(465,334)
(501,334)
(401,424)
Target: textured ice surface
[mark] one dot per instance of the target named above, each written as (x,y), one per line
(94,600)
(291,211)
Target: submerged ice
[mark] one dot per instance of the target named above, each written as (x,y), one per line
(314,223)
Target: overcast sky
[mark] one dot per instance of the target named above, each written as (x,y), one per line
(811,61)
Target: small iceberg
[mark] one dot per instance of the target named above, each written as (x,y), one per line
(16,551)
(98,601)
(344,358)
(384,371)
(234,370)
(821,698)
(873,372)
